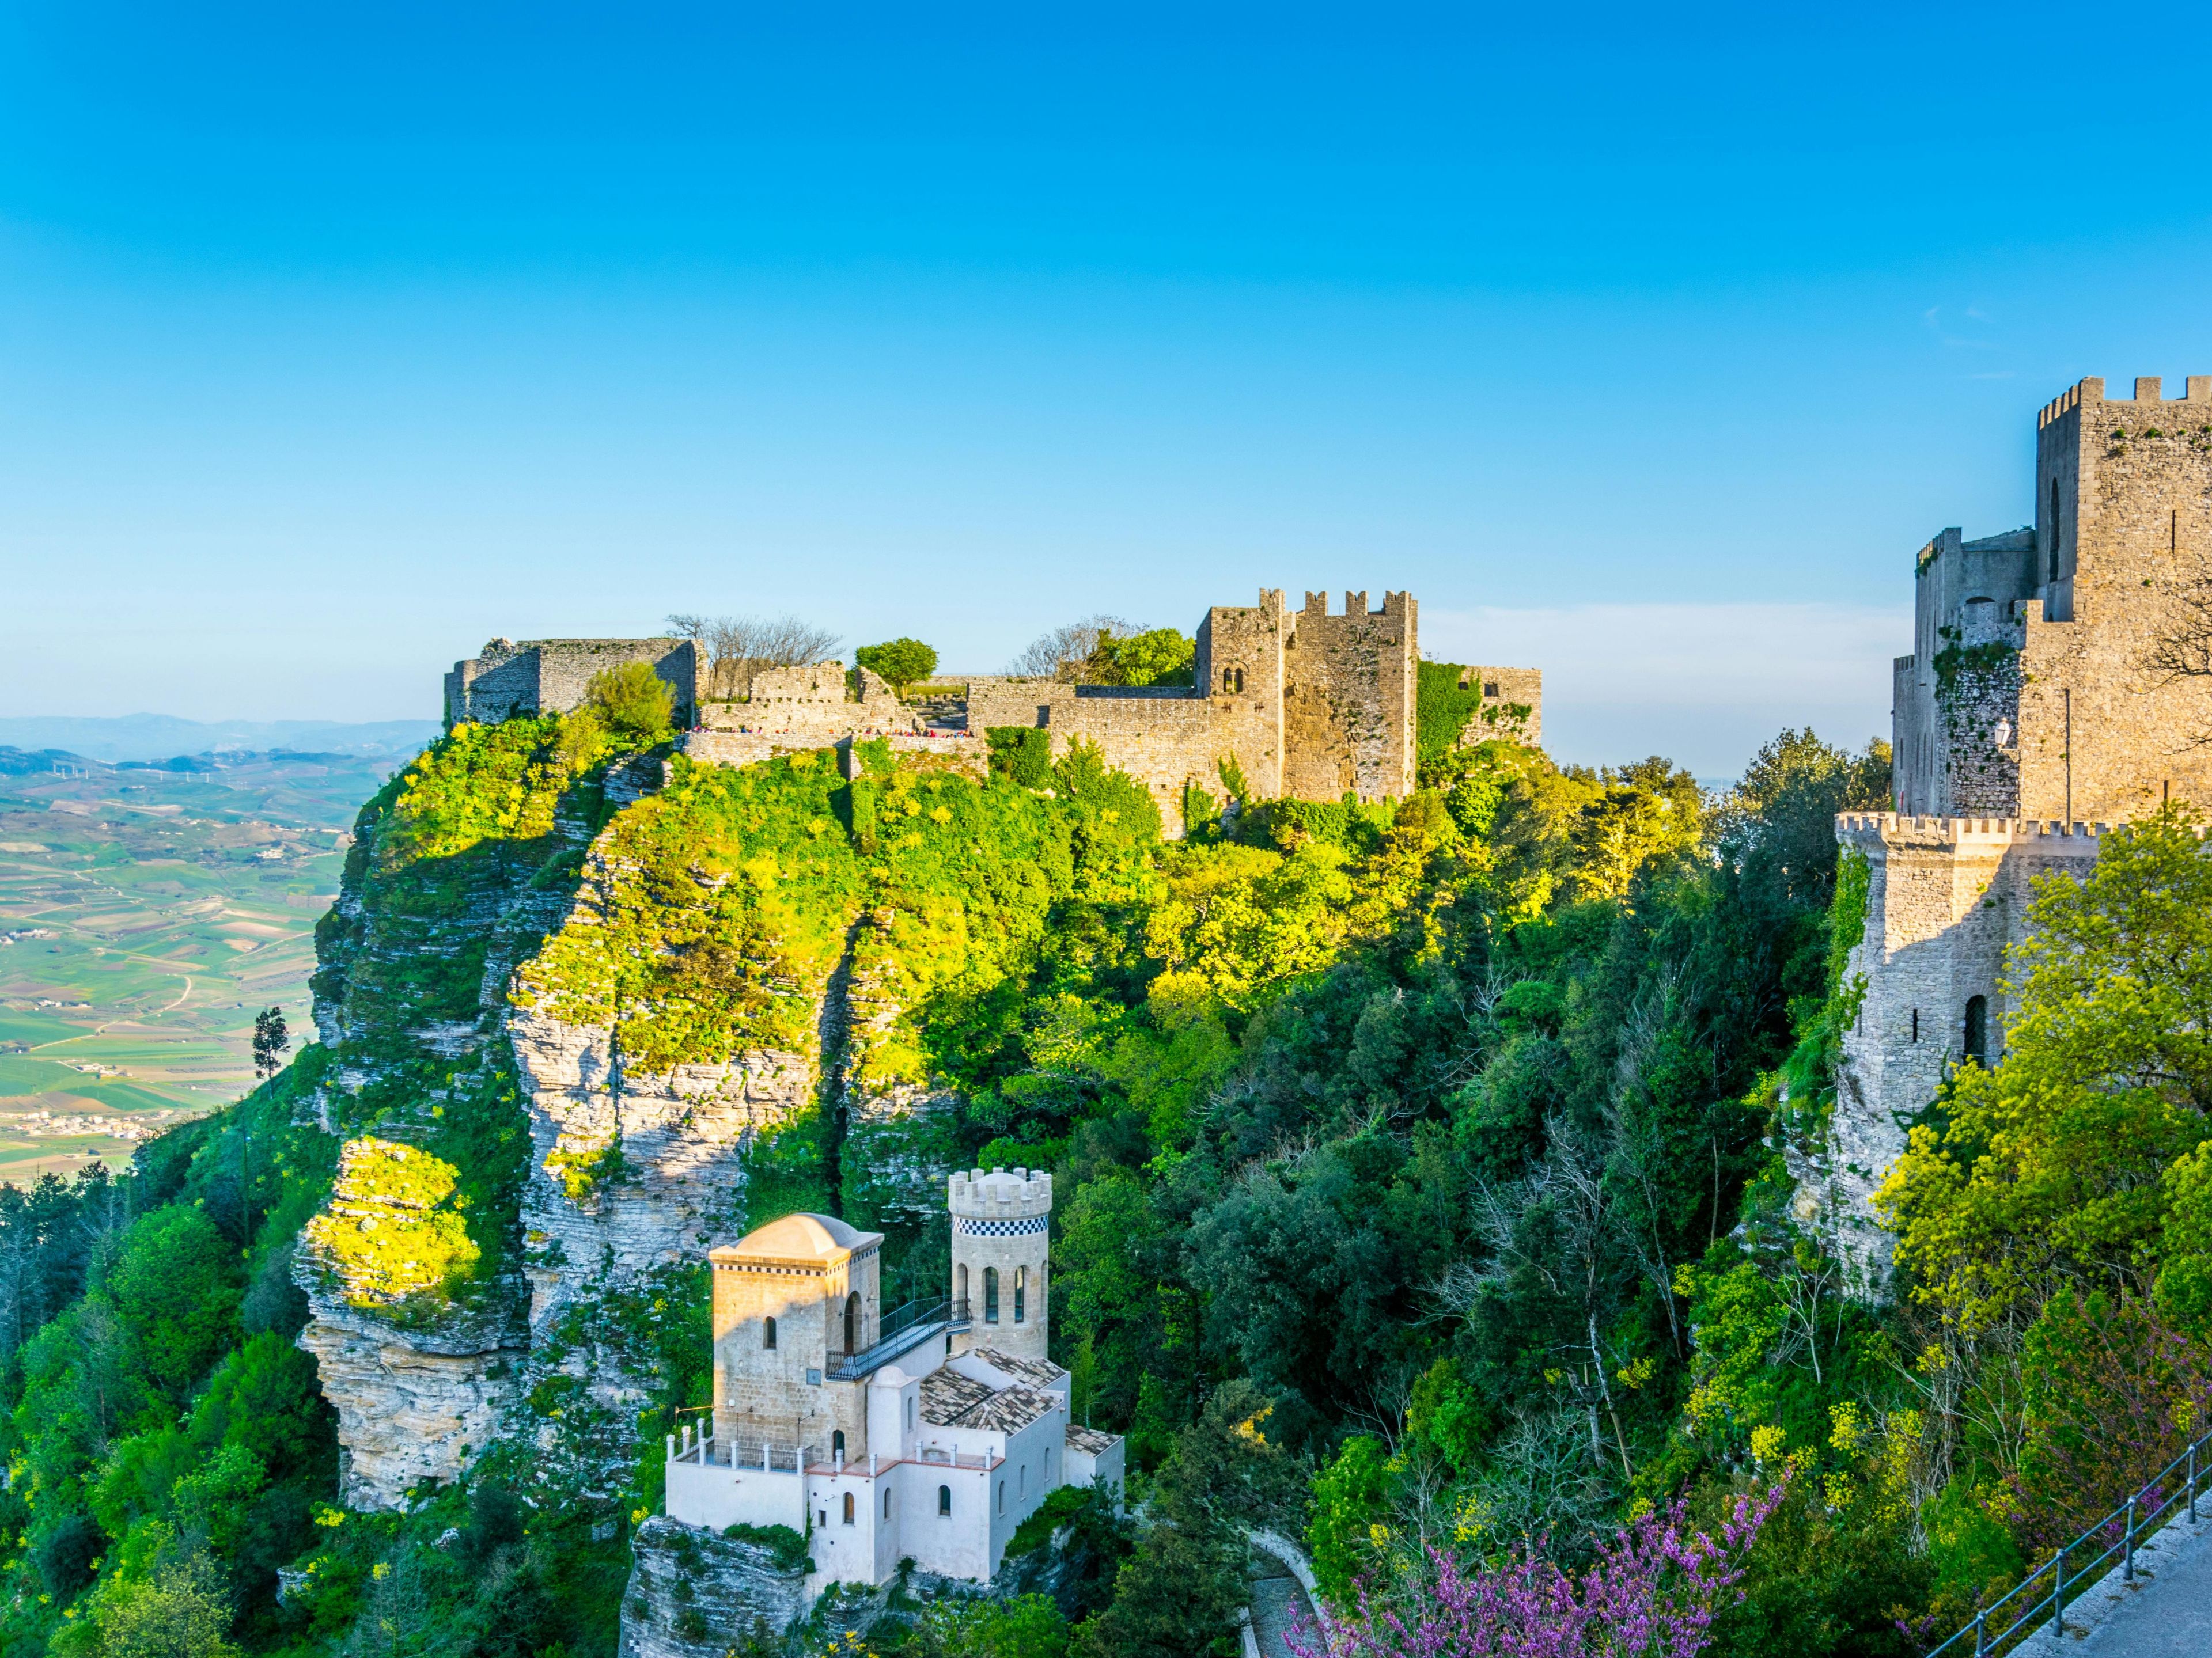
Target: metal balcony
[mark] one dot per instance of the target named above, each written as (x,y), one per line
(904,1328)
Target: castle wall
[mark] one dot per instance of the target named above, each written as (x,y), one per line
(1239,667)
(549,676)
(1946,898)
(1348,699)
(1504,691)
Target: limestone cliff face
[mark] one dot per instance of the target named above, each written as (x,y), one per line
(411,1404)
(460,869)
(628,1171)
(695,1594)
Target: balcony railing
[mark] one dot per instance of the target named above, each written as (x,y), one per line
(904,1328)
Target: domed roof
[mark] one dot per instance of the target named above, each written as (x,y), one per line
(804,1236)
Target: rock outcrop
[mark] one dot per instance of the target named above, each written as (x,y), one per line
(695,1594)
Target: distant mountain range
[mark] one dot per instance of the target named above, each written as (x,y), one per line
(161,735)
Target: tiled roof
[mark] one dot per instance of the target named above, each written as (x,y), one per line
(1089,1441)
(950,1400)
(1042,1371)
(1011,1409)
(947,1395)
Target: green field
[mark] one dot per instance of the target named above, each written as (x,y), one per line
(145,916)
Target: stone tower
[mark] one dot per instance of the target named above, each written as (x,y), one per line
(1001,1225)
(790,1300)
(2030,718)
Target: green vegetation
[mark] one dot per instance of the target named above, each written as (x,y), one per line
(1420,1176)
(635,702)
(902,661)
(1158,656)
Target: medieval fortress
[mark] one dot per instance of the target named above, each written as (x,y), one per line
(2027,720)
(1305,703)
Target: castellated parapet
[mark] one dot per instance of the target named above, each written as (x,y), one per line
(1001,1226)
(550,676)
(2026,723)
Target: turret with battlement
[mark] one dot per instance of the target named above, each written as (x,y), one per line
(1001,1227)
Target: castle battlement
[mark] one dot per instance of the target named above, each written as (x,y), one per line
(1001,1194)
(1856,827)
(2149,388)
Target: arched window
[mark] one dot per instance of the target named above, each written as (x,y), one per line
(1021,1292)
(1977,1030)
(1002,1497)
(909,1413)
(960,1290)
(848,1508)
(990,1295)
(852,1323)
(887,1501)
(2054,529)
(767,1336)
(944,1499)
(1022,1484)
(837,1446)
(1227,680)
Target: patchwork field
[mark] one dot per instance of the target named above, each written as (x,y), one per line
(146,915)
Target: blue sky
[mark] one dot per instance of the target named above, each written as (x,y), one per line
(1642,346)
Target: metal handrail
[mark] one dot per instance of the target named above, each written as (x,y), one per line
(2132,1516)
(904,1329)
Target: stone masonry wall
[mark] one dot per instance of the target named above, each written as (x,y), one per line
(1946,898)
(549,676)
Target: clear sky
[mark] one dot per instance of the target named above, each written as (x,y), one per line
(1644,345)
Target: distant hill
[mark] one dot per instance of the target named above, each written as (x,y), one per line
(159,736)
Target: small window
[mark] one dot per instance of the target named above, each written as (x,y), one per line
(848,1508)
(1228,680)
(837,1446)
(1022,1484)
(909,1413)
(823,1523)
(944,1499)
(852,1323)
(1490,689)
(2054,529)
(990,1295)
(887,1501)
(960,1290)
(1977,1030)
(1002,1497)
(1021,1292)
(767,1336)
(1915,1024)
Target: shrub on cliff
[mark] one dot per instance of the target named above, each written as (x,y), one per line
(392,1234)
(633,700)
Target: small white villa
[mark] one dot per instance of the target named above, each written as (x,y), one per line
(928,1433)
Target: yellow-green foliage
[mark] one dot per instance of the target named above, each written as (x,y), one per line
(394,1231)
(632,699)
(471,820)
(727,900)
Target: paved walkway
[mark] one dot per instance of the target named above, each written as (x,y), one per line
(2166,1612)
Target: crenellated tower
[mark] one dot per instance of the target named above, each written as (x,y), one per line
(1001,1232)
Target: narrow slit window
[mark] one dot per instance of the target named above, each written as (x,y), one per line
(1021,1292)
(2054,529)
(887,1501)
(990,1295)
(848,1508)
(768,1335)
(837,1446)
(1977,1030)
(944,1499)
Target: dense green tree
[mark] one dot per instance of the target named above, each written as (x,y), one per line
(902,661)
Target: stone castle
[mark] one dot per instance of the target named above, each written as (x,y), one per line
(2028,719)
(925,1434)
(1305,704)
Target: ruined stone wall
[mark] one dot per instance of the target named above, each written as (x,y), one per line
(549,676)
(1504,691)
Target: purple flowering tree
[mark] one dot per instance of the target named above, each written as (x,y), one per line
(1652,1592)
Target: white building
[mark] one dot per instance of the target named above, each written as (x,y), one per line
(929,1433)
